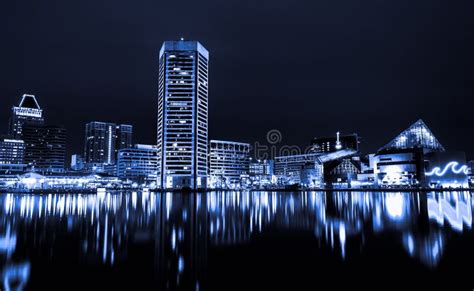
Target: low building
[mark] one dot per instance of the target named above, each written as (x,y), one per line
(288,168)
(228,163)
(138,164)
(261,173)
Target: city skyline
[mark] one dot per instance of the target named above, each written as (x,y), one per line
(373,79)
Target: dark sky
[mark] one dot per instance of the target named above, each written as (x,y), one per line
(306,68)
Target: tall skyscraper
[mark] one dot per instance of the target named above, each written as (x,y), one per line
(45,147)
(182,115)
(27,112)
(104,139)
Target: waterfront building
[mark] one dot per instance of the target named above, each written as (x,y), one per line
(12,154)
(138,163)
(103,140)
(228,162)
(335,143)
(288,168)
(261,167)
(342,172)
(45,147)
(182,123)
(261,173)
(401,161)
(28,111)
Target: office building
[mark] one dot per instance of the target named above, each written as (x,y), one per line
(182,123)
(45,147)
(27,112)
(335,143)
(12,153)
(228,162)
(103,140)
(261,173)
(261,167)
(138,163)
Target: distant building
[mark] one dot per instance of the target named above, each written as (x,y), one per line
(261,167)
(27,112)
(45,147)
(312,175)
(335,143)
(342,171)
(228,162)
(77,162)
(182,135)
(261,173)
(288,168)
(104,139)
(12,154)
(138,163)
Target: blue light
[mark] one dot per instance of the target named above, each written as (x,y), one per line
(451,165)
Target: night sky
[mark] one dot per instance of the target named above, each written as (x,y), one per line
(306,68)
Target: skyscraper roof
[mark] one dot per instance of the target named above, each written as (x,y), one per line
(29,101)
(417,136)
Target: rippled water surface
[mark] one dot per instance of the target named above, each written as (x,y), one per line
(235,240)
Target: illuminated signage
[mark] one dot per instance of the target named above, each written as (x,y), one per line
(449,166)
(31,112)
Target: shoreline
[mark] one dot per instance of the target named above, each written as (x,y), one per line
(94,191)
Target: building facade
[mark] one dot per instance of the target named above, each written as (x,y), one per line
(27,112)
(12,155)
(103,140)
(228,162)
(182,123)
(138,163)
(45,147)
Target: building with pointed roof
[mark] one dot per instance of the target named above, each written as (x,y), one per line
(28,111)
(417,136)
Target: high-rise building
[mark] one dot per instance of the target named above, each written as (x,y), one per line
(12,153)
(27,112)
(182,123)
(124,136)
(45,147)
(138,164)
(228,161)
(104,139)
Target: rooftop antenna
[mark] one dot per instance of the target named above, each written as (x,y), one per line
(338,142)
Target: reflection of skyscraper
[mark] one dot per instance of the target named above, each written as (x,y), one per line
(28,111)
(182,115)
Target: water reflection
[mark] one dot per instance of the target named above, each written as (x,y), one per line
(183,227)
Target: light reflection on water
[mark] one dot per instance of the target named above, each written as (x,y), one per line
(182,227)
